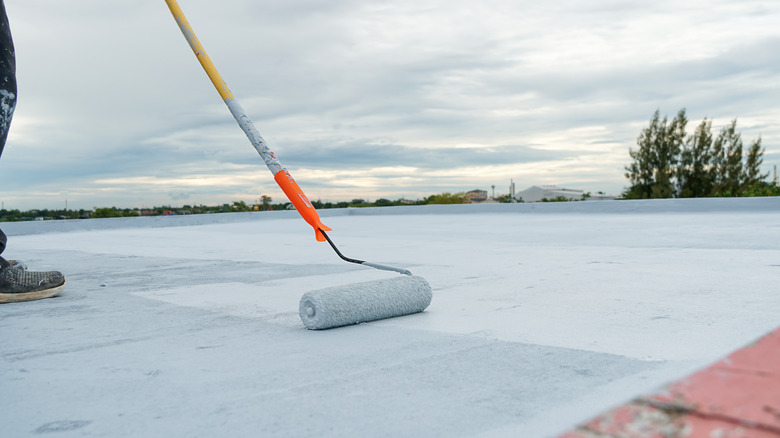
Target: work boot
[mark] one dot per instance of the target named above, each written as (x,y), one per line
(19,284)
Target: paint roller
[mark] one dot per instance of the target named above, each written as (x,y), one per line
(336,306)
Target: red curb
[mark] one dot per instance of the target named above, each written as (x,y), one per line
(736,397)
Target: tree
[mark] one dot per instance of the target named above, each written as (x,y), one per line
(668,154)
(640,172)
(717,169)
(731,173)
(559,198)
(447,198)
(653,170)
(382,202)
(755,158)
(669,164)
(693,177)
(762,188)
(240,206)
(266,201)
(107,212)
(507,199)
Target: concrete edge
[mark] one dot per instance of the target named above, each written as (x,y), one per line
(646,206)
(738,396)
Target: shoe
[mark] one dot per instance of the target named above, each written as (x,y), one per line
(19,284)
(17,264)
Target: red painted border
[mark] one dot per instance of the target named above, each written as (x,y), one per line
(737,397)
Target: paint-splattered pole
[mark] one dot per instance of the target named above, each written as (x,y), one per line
(281,175)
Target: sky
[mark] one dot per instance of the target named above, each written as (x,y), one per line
(369,99)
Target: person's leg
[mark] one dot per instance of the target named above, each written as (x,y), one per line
(17,283)
(7,86)
(7,77)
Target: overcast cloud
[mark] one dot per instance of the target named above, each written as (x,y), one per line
(369,99)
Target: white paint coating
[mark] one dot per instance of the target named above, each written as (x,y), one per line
(254,136)
(543,316)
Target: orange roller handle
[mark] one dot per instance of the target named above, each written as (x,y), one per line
(282,176)
(301,202)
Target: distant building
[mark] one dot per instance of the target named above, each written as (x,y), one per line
(537,193)
(477,196)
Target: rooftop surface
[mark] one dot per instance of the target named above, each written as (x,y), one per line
(543,316)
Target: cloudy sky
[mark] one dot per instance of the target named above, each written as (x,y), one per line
(369,99)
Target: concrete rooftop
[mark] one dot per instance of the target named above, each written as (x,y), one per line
(543,316)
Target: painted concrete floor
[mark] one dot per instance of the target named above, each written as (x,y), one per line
(543,316)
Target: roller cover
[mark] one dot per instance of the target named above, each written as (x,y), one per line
(367,301)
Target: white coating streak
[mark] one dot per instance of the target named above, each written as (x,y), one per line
(254,137)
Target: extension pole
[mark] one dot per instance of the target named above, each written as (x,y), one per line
(281,175)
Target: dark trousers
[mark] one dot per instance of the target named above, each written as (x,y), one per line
(7,87)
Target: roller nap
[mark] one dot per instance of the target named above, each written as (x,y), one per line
(367,301)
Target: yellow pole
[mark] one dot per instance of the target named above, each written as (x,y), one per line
(281,175)
(203,57)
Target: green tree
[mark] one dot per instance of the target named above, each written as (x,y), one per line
(693,177)
(559,198)
(731,167)
(106,212)
(447,198)
(10,215)
(652,172)
(755,157)
(507,199)
(641,173)
(762,188)
(240,206)
(382,202)
(668,155)
(667,164)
